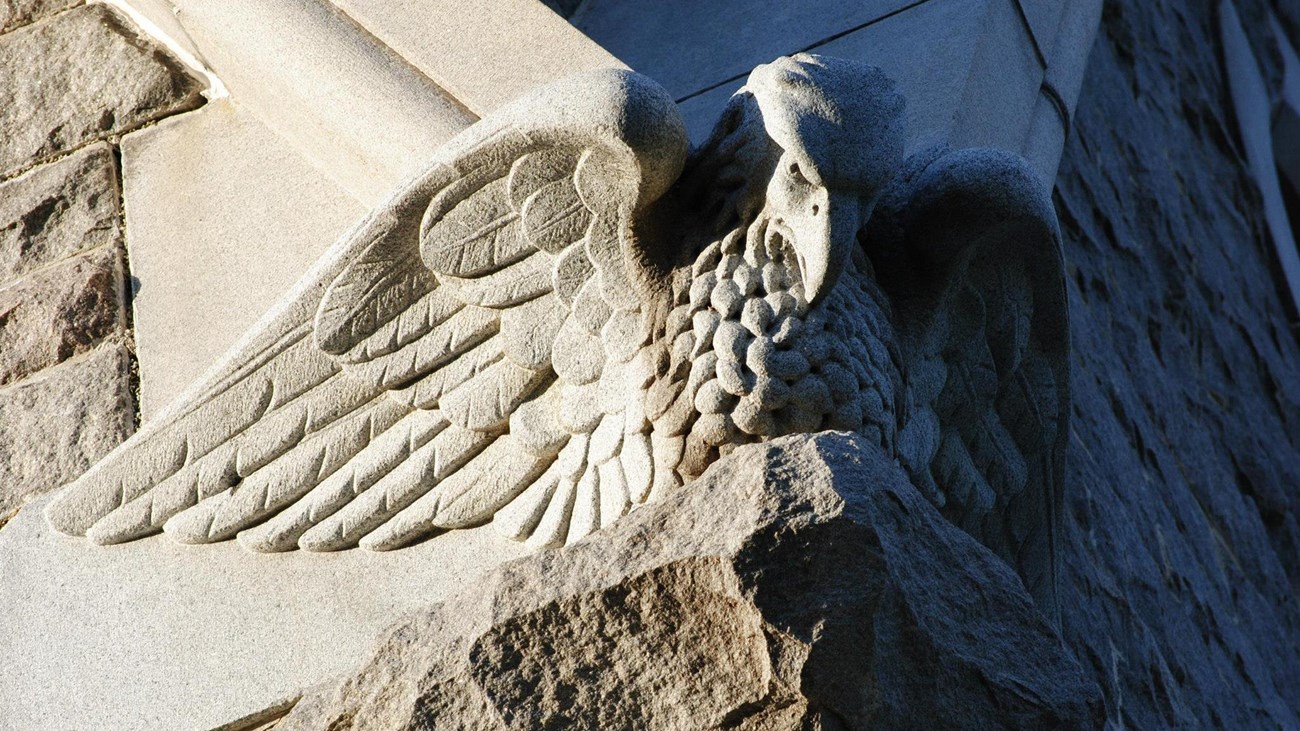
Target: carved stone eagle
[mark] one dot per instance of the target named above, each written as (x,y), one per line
(568,314)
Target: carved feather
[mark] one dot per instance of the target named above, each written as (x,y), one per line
(442,363)
(385,453)
(511,285)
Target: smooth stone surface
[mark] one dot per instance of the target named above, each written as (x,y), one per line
(54,211)
(689,46)
(803,583)
(52,427)
(59,312)
(347,103)
(484,54)
(223,218)
(156,636)
(97,78)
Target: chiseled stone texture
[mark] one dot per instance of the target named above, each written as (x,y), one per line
(80,76)
(57,423)
(14,13)
(54,211)
(56,313)
(1182,547)
(802,583)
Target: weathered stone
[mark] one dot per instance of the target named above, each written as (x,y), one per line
(1181,550)
(54,211)
(804,583)
(14,13)
(80,76)
(57,423)
(56,313)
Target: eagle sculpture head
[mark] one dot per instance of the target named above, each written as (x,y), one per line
(816,139)
(835,129)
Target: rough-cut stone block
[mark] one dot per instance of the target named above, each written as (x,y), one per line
(56,313)
(803,583)
(56,210)
(80,76)
(59,422)
(14,13)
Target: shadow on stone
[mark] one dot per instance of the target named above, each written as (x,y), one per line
(803,583)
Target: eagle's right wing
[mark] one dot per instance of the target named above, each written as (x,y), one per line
(468,348)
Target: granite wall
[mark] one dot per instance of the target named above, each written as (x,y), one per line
(73,78)
(1183,549)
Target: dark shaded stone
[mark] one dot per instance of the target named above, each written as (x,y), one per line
(1182,547)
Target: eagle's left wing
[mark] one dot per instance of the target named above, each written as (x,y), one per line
(966,243)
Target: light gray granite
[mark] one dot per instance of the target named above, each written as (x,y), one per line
(155,636)
(210,249)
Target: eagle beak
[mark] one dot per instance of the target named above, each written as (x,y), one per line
(824,238)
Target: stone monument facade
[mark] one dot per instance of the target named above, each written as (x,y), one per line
(761,385)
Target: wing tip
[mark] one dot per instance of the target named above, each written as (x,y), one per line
(75,509)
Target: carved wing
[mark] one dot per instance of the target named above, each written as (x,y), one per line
(460,352)
(967,245)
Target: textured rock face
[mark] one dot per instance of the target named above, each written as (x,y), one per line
(62,420)
(96,78)
(68,77)
(801,583)
(59,312)
(1181,544)
(14,13)
(58,210)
